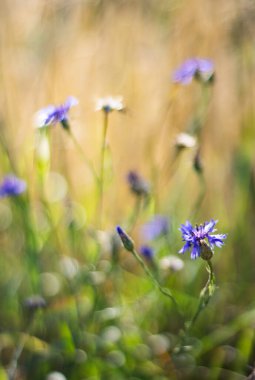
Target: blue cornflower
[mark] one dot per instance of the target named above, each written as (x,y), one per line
(193,67)
(156,227)
(147,252)
(199,240)
(137,184)
(52,115)
(12,186)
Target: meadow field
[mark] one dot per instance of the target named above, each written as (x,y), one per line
(127,190)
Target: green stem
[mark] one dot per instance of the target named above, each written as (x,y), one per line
(79,149)
(101,175)
(163,290)
(200,197)
(205,295)
(17,352)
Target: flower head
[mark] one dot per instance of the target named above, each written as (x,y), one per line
(52,115)
(156,227)
(137,184)
(12,186)
(199,239)
(110,104)
(185,140)
(147,252)
(194,68)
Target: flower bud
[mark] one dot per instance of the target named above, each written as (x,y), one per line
(206,252)
(126,240)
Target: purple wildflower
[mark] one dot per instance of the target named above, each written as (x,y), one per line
(12,186)
(52,115)
(156,227)
(193,67)
(137,184)
(147,252)
(200,240)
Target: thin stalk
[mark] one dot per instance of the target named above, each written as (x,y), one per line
(163,290)
(101,173)
(82,154)
(17,352)
(136,212)
(205,295)
(200,196)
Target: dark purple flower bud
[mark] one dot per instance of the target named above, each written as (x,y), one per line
(52,115)
(156,227)
(201,69)
(126,240)
(147,252)
(199,239)
(12,186)
(137,184)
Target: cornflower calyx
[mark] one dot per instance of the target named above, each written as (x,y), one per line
(199,239)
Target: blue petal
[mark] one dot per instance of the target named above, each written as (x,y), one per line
(195,251)
(185,248)
(70,102)
(217,239)
(205,65)
(209,226)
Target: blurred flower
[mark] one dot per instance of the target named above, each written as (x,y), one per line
(109,104)
(12,186)
(34,303)
(52,115)
(156,227)
(171,262)
(185,140)
(55,376)
(194,68)
(147,252)
(199,238)
(126,240)
(137,184)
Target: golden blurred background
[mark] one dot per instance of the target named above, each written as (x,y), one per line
(51,49)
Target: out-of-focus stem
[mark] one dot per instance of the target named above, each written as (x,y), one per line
(82,154)
(163,290)
(205,295)
(101,173)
